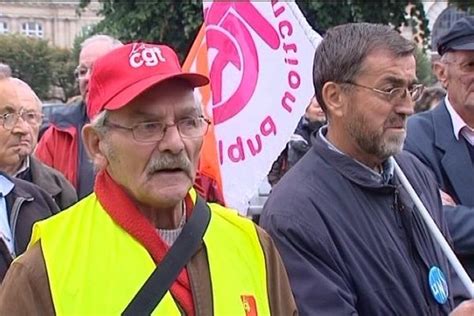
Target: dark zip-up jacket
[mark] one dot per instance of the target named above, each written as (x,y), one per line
(26,204)
(353,245)
(52,181)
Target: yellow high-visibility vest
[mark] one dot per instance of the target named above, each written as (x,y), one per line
(96,268)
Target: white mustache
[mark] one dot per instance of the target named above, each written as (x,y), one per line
(167,161)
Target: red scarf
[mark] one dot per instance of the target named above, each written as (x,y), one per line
(123,211)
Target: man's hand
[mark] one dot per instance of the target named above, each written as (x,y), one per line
(446,198)
(466,308)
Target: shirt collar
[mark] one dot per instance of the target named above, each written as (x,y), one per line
(6,186)
(456,119)
(387,166)
(24,166)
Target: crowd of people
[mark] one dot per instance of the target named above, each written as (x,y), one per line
(109,215)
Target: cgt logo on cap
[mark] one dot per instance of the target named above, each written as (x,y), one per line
(141,54)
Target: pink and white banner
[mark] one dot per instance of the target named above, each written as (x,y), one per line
(259,59)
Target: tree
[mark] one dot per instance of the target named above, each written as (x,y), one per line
(423,68)
(172,22)
(30,60)
(177,22)
(38,64)
(62,68)
(325,14)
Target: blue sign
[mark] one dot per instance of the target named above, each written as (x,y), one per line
(438,285)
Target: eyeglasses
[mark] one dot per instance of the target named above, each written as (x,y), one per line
(150,132)
(9,120)
(82,71)
(396,93)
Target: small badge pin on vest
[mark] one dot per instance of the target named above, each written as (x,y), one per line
(438,285)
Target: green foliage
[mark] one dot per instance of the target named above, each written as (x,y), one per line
(172,22)
(423,69)
(325,14)
(30,60)
(38,64)
(62,67)
(176,22)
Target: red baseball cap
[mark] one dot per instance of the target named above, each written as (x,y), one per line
(127,71)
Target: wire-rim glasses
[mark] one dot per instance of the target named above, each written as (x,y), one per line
(9,120)
(398,93)
(150,132)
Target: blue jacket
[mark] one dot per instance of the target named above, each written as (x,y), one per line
(430,137)
(353,244)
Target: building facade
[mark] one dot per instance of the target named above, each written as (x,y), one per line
(55,21)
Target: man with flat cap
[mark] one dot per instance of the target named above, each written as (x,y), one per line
(443,138)
(100,257)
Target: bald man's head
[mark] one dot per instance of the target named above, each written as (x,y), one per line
(18,94)
(20,120)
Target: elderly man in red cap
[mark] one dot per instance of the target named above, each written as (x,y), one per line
(101,256)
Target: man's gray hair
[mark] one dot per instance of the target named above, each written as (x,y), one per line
(114,43)
(340,56)
(448,57)
(5,71)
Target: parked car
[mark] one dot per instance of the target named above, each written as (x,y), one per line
(49,109)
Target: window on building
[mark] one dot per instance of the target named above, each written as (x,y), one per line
(3,27)
(32,29)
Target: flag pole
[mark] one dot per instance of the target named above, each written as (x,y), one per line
(312,35)
(445,247)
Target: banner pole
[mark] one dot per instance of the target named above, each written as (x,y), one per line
(312,35)
(445,247)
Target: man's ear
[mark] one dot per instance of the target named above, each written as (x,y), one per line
(334,98)
(94,147)
(440,70)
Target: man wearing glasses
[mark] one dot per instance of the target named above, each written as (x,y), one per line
(20,119)
(61,145)
(145,138)
(347,231)
(443,138)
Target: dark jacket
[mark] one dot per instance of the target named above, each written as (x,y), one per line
(26,204)
(52,181)
(297,146)
(431,139)
(300,141)
(353,244)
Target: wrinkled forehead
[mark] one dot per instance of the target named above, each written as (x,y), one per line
(383,65)
(16,94)
(459,56)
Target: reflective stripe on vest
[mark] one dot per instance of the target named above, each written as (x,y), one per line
(95,267)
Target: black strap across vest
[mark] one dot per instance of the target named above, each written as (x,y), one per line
(185,246)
